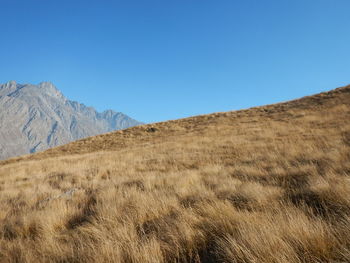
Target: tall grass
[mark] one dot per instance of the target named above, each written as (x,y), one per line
(268,184)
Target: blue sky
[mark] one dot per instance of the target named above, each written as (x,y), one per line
(157,60)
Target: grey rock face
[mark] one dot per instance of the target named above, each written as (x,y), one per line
(36,117)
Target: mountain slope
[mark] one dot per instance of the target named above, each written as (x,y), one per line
(267,184)
(37,117)
(319,106)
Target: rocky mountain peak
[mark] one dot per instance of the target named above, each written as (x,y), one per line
(11,83)
(50,89)
(36,117)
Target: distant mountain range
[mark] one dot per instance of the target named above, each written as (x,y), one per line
(37,117)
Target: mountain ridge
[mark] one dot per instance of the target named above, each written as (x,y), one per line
(37,117)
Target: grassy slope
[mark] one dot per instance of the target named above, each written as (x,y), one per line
(268,184)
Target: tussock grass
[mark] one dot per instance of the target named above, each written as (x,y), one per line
(268,184)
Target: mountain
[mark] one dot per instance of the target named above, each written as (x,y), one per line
(37,117)
(266,184)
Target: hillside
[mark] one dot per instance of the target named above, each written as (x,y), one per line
(37,117)
(266,184)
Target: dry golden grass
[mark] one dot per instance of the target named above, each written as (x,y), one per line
(268,184)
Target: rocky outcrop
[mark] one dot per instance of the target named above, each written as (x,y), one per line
(36,117)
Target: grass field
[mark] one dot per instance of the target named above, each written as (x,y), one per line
(267,184)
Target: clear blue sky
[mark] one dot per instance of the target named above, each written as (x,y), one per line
(164,59)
